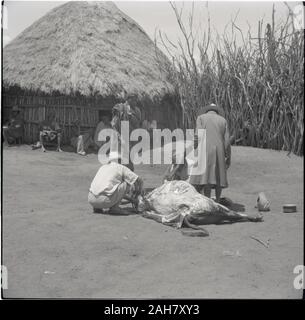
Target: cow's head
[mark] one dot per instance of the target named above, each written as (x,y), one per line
(142,204)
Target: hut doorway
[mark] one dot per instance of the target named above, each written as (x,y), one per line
(104,113)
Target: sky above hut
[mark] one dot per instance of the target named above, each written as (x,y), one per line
(157,15)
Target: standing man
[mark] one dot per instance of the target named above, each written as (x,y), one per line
(14,128)
(215,152)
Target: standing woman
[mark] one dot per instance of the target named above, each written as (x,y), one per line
(215,152)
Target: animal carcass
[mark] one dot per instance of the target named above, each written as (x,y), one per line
(178,204)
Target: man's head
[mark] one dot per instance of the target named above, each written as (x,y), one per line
(123,112)
(212,107)
(15,111)
(114,157)
(141,204)
(51,116)
(106,120)
(117,157)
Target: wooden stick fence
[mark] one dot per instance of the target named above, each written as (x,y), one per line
(67,110)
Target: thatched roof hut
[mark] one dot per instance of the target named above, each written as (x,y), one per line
(79,60)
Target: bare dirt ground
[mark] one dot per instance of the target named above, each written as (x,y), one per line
(55,247)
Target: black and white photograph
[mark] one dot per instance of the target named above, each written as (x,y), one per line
(152,150)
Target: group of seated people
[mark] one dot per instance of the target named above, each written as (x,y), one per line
(50,133)
(81,140)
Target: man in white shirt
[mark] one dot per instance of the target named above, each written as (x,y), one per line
(111,184)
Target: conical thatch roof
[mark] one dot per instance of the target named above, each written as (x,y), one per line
(90,48)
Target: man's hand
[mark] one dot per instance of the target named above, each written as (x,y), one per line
(140,189)
(137,188)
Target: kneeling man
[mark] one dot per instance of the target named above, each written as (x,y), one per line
(112,183)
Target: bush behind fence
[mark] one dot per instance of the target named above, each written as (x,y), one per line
(259,83)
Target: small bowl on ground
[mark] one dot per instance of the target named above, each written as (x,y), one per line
(289,208)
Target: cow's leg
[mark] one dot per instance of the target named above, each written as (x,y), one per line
(206,219)
(222,216)
(152,215)
(187,221)
(237,216)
